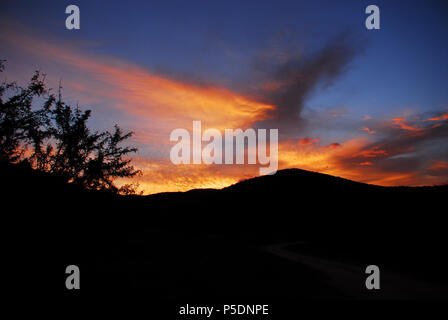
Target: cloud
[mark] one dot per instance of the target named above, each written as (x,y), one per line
(368,130)
(403,124)
(439,168)
(287,85)
(439,118)
(374,152)
(396,155)
(135,90)
(308,141)
(333,145)
(160,175)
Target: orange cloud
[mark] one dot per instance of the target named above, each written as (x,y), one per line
(308,141)
(368,130)
(442,117)
(439,168)
(373,153)
(401,122)
(344,161)
(160,175)
(338,159)
(333,145)
(169,102)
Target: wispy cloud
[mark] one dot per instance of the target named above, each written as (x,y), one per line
(141,92)
(288,84)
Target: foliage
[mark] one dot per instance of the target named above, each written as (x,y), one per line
(56,138)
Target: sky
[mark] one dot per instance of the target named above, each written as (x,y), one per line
(367,105)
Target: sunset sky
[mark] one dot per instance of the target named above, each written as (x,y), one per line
(367,105)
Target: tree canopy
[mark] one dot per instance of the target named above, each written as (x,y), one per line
(55,138)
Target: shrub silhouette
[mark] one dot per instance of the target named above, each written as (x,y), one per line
(55,138)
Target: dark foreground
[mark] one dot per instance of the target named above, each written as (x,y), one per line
(293,236)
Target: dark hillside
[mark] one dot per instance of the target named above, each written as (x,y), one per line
(174,243)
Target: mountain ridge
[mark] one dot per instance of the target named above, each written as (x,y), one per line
(10,173)
(197,236)
(298,173)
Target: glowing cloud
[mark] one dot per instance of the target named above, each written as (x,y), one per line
(308,141)
(136,90)
(368,130)
(401,122)
(442,117)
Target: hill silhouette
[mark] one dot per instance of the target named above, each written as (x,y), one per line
(244,240)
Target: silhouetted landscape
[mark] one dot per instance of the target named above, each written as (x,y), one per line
(181,158)
(288,235)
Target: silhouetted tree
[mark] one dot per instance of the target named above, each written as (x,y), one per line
(19,124)
(56,138)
